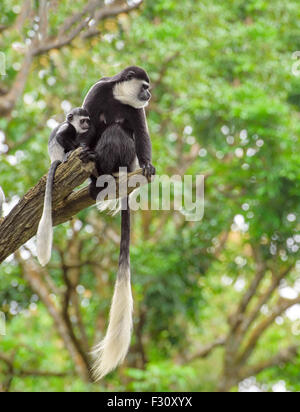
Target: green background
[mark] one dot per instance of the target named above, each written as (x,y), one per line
(216,301)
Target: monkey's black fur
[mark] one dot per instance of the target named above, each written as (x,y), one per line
(77,130)
(117,109)
(119,128)
(67,136)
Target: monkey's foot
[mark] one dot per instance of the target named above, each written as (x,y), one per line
(149,170)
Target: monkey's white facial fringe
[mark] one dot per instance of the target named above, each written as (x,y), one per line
(114,347)
(45,237)
(127,93)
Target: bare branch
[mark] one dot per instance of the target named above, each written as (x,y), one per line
(264,299)
(237,318)
(43,15)
(8,101)
(205,351)
(283,357)
(106,13)
(278,310)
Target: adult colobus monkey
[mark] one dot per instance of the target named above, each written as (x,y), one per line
(75,131)
(116,106)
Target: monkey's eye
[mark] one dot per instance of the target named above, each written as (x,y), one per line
(130,76)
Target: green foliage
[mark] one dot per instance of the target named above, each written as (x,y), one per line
(223,81)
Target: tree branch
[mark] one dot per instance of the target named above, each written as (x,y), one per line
(22,222)
(278,310)
(205,351)
(284,356)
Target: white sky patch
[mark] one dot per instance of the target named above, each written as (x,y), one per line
(288,293)
(296,328)
(240,261)
(260,143)
(240,284)
(202,152)
(120,45)
(66,106)
(240,224)
(80,289)
(225,130)
(12,160)
(239,152)
(78,225)
(8,206)
(188,130)
(89,229)
(297,285)
(249,385)
(265,310)
(226,280)
(191,140)
(25,254)
(244,135)
(52,124)
(292,217)
(51,81)
(293,313)
(28,99)
(31,245)
(230,140)
(251,152)
(17,66)
(279,387)
(279,321)
(3,148)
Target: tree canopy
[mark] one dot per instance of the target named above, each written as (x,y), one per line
(217,302)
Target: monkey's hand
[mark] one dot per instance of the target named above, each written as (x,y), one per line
(88,156)
(67,156)
(148,170)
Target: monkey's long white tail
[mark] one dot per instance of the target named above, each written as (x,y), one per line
(114,347)
(45,229)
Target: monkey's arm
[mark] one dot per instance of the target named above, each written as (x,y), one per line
(66,143)
(143,144)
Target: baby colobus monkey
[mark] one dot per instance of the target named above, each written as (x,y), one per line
(117,109)
(76,131)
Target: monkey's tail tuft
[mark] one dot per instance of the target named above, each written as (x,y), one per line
(112,206)
(45,229)
(114,347)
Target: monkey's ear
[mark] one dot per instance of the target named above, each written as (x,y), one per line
(70,117)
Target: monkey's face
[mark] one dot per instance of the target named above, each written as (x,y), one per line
(133,91)
(81,123)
